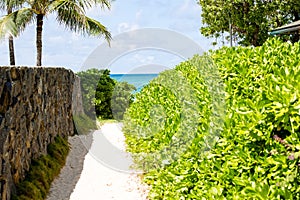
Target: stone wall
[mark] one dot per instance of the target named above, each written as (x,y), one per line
(77,98)
(35,107)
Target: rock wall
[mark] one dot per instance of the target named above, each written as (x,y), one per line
(77,98)
(35,107)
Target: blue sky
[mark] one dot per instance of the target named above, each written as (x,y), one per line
(64,48)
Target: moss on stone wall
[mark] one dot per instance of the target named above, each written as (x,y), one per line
(42,172)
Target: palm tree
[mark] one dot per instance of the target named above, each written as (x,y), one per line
(8,5)
(70,13)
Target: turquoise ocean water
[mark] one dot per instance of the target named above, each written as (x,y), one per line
(138,80)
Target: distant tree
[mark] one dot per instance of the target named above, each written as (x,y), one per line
(89,82)
(103,96)
(104,90)
(70,13)
(8,6)
(121,98)
(251,20)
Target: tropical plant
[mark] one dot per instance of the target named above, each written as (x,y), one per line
(250,20)
(103,96)
(257,153)
(121,98)
(97,88)
(9,5)
(89,82)
(70,13)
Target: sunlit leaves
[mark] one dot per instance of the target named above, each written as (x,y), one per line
(257,154)
(251,20)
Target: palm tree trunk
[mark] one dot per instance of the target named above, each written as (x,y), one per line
(11,50)
(11,45)
(39,31)
(296,36)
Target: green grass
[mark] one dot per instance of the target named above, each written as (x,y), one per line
(101,122)
(42,172)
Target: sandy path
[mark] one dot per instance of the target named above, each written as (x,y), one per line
(63,185)
(98,179)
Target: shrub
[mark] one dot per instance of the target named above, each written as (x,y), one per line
(256,155)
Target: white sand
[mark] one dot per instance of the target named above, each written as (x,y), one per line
(98,179)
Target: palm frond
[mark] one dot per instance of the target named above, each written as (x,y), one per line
(93,3)
(66,6)
(7,26)
(24,17)
(102,3)
(14,23)
(73,17)
(96,28)
(86,4)
(40,6)
(79,5)
(82,4)
(10,4)
(3,4)
(106,3)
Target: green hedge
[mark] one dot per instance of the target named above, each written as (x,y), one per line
(256,155)
(42,172)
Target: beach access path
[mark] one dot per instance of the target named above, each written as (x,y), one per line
(97,168)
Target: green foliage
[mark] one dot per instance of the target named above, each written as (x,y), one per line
(257,153)
(121,98)
(251,19)
(99,92)
(165,116)
(84,124)
(103,96)
(42,172)
(96,87)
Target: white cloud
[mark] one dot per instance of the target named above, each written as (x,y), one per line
(142,59)
(152,68)
(124,26)
(138,14)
